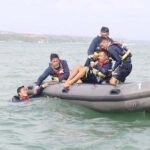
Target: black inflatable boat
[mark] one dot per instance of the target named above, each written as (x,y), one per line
(106,98)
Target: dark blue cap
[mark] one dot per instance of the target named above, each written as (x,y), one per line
(105,29)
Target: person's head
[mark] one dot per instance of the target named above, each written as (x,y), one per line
(104,32)
(54,60)
(22,91)
(104,43)
(103,56)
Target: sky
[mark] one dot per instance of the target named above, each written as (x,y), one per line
(129,19)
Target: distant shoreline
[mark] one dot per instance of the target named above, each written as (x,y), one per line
(33,37)
(29,37)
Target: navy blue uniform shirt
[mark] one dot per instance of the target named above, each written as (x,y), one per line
(50,71)
(104,68)
(95,44)
(116,52)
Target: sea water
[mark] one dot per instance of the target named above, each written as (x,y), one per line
(52,124)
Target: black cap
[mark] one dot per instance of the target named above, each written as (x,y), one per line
(105,29)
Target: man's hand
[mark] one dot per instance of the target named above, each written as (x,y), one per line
(35,89)
(55,79)
(44,85)
(92,64)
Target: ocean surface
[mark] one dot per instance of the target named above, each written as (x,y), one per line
(52,124)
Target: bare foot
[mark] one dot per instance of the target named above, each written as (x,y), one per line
(79,81)
(67,84)
(63,81)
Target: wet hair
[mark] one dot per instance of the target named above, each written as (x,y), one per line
(105,52)
(19,89)
(105,29)
(53,55)
(103,39)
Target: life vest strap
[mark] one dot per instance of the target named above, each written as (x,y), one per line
(127,53)
(59,72)
(99,73)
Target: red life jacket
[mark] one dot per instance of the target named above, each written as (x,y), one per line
(25,98)
(102,63)
(60,71)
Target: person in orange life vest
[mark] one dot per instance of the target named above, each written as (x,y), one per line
(57,68)
(94,72)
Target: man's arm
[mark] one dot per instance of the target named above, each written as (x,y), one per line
(88,61)
(104,69)
(45,74)
(114,51)
(111,40)
(93,45)
(39,90)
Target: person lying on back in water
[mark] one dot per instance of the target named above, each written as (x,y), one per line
(57,68)
(122,57)
(23,94)
(93,72)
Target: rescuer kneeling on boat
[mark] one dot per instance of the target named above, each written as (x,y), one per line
(122,57)
(95,73)
(57,69)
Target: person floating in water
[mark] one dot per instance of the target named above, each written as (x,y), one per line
(23,93)
(122,57)
(93,72)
